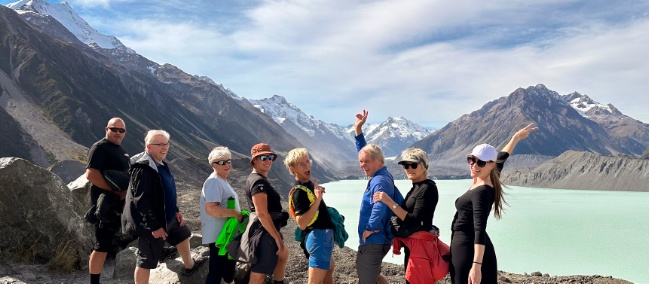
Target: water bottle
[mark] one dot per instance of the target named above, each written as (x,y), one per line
(231,203)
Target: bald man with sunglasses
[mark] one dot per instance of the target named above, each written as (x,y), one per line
(105,154)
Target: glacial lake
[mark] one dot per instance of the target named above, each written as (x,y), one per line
(554,231)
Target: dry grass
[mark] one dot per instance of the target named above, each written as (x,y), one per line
(66,257)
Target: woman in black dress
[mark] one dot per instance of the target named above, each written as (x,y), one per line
(473,259)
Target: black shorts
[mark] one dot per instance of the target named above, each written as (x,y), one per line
(266,253)
(104,235)
(150,249)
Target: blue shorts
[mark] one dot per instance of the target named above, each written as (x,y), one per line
(320,244)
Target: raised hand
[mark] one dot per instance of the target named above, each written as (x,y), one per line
(523,133)
(318,190)
(361,119)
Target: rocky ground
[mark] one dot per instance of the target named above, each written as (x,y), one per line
(189,192)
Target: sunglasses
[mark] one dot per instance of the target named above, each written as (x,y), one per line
(471,160)
(117,129)
(162,144)
(221,163)
(410,165)
(271,157)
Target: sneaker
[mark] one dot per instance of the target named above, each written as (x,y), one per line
(190,271)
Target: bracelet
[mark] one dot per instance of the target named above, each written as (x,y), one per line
(477,262)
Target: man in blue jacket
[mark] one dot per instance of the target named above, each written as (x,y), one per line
(375,236)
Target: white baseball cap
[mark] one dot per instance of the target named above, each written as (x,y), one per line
(485,152)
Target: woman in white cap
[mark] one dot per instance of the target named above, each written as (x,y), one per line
(473,259)
(416,211)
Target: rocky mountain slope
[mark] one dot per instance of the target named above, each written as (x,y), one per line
(328,141)
(60,96)
(561,128)
(583,170)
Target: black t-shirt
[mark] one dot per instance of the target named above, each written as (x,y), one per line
(301,206)
(420,204)
(104,155)
(256,183)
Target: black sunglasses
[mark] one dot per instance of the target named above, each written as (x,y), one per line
(221,163)
(474,160)
(117,129)
(410,165)
(271,157)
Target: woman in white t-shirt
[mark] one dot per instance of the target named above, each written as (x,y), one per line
(214,213)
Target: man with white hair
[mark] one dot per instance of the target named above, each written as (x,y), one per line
(151,212)
(375,236)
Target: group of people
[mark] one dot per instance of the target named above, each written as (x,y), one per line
(151,212)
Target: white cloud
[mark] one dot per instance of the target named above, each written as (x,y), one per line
(430,61)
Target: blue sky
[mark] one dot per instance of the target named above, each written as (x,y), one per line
(429,61)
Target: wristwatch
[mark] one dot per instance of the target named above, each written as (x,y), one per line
(394,206)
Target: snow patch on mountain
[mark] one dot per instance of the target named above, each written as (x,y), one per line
(586,106)
(65,15)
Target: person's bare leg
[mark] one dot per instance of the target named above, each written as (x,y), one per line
(184,250)
(316,275)
(281,266)
(141,275)
(96,262)
(329,277)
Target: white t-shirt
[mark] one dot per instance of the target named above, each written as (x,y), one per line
(215,189)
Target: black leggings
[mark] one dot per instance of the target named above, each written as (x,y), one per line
(220,267)
(462,257)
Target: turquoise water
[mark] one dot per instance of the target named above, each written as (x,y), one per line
(554,231)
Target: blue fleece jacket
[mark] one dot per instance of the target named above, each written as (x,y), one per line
(376,215)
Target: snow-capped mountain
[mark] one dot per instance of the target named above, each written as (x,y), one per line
(324,140)
(609,117)
(280,110)
(65,15)
(394,134)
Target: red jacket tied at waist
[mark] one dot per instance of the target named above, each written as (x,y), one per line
(426,263)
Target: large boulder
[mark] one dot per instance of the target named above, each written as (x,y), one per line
(42,220)
(68,170)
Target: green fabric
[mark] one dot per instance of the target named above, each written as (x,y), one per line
(340,235)
(231,229)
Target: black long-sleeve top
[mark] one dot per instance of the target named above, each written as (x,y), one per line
(420,204)
(474,206)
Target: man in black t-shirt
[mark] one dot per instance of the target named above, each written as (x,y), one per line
(105,154)
(312,216)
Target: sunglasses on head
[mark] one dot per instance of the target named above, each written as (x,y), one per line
(410,165)
(471,160)
(117,129)
(271,157)
(221,163)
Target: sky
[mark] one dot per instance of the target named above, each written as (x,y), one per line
(429,61)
